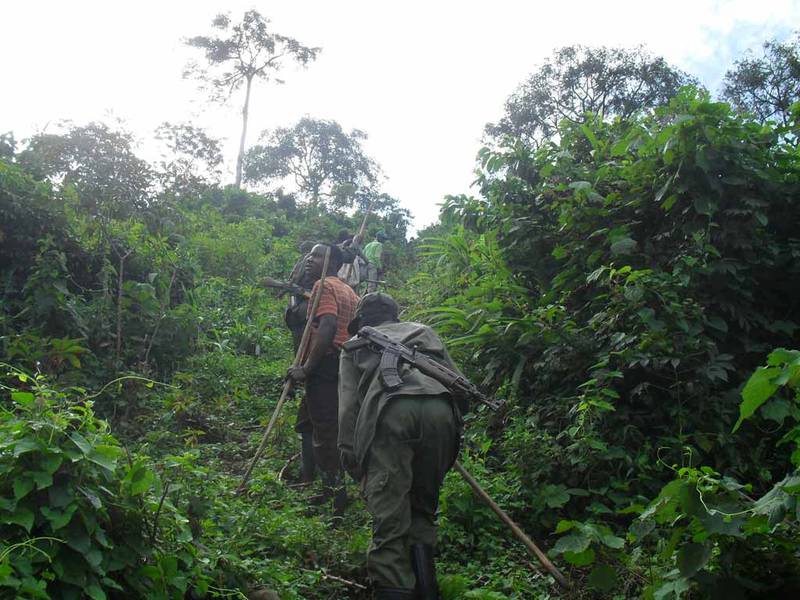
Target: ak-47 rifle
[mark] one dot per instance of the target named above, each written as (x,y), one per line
(393,352)
(291,288)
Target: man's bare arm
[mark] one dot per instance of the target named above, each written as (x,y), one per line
(323,342)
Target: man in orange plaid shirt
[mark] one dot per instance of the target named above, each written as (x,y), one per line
(319,368)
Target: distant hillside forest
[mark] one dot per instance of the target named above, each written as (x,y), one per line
(625,278)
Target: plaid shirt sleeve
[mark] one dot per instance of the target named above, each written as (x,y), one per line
(327,302)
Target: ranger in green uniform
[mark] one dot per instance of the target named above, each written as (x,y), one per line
(398,445)
(373,252)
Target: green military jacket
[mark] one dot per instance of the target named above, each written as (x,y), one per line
(361,394)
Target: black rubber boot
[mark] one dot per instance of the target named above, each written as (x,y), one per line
(394,594)
(425,570)
(340,500)
(307,455)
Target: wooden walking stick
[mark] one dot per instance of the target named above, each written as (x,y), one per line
(518,533)
(363,229)
(289,384)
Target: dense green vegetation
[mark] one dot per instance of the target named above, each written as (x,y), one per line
(620,285)
(627,285)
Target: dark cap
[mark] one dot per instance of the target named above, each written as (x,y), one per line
(374,304)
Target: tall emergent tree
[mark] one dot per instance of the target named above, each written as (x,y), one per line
(580,79)
(768,85)
(328,165)
(242,53)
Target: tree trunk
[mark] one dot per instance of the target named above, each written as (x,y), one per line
(120,281)
(245,110)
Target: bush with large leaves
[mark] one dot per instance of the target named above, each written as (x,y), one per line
(77,518)
(620,283)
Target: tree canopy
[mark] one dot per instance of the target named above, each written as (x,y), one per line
(327,164)
(99,162)
(577,80)
(190,159)
(766,86)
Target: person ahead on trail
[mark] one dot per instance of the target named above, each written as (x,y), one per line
(352,257)
(319,368)
(398,445)
(373,252)
(295,318)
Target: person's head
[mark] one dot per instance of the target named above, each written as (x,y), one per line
(305,247)
(316,260)
(343,236)
(381,236)
(373,309)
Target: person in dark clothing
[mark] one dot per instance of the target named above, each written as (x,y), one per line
(319,367)
(398,445)
(295,319)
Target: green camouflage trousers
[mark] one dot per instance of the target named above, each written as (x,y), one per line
(415,444)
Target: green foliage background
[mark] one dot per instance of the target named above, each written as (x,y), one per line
(619,286)
(628,287)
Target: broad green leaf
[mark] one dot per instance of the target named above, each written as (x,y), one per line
(78,538)
(564,526)
(587,131)
(95,592)
(574,542)
(757,391)
(42,479)
(58,519)
(23,398)
(25,445)
(51,462)
(59,495)
(105,456)
(141,478)
(620,148)
(22,516)
(81,442)
(150,572)
(664,188)
(91,497)
(782,356)
(94,557)
(602,578)
(555,495)
(612,541)
(22,487)
(777,409)
(692,557)
(672,590)
(6,576)
(580,559)
(640,528)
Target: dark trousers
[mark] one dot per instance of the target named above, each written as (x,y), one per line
(322,402)
(415,444)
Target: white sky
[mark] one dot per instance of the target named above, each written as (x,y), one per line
(420,77)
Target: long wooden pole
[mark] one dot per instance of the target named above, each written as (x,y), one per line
(363,228)
(289,384)
(520,535)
